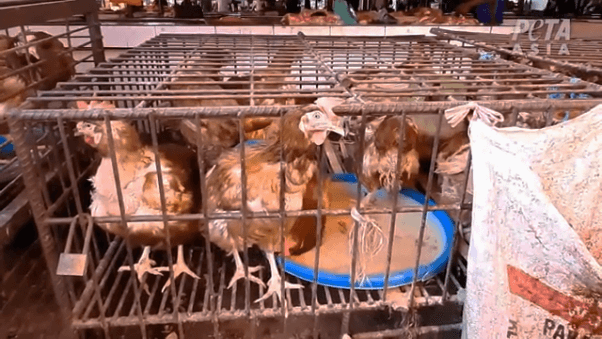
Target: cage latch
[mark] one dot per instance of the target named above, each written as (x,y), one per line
(75,264)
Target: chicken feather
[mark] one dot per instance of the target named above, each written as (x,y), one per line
(140,188)
(303,129)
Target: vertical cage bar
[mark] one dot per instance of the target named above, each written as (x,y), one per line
(244,211)
(122,212)
(396,189)
(48,242)
(458,228)
(209,254)
(96,37)
(429,186)
(318,216)
(80,211)
(174,296)
(282,211)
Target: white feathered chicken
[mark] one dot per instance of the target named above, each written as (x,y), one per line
(140,188)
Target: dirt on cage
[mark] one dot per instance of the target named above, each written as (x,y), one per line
(28,309)
(300,327)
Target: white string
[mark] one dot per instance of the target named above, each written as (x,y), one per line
(371,241)
(455,115)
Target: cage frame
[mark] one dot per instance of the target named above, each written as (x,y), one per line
(16,15)
(500,43)
(18,118)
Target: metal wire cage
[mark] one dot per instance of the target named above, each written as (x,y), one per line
(19,64)
(238,76)
(23,72)
(575,57)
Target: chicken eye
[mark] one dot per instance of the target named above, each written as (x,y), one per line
(317,115)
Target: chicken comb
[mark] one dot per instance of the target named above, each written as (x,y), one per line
(94,104)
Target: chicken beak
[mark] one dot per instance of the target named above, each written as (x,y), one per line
(339,125)
(79,129)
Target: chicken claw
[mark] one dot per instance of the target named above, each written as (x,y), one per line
(144,265)
(240,271)
(275,282)
(178,268)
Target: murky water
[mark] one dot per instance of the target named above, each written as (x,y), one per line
(334,253)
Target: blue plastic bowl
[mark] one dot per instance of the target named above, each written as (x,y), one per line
(438,220)
(8,149)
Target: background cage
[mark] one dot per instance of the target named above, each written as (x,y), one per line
(387,76)
(581,62)
(24,278)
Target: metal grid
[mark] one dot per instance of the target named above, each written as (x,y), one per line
(82,45)
(582,60)
(170,77)
(18,64)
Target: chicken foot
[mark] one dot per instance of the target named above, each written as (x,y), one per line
(144,265)
(240,271)
(275,282)
(178,268)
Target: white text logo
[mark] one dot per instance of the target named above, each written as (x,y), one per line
(537,39)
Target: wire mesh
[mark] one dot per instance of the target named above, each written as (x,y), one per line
(23,71)
(214,77)
(27,67)
(572,57)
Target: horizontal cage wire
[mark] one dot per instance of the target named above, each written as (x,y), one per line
(33,61)
(197,79)
(30,63)
(573,57)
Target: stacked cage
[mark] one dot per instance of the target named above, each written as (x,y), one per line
(32,61)
(547,49)
(183,89)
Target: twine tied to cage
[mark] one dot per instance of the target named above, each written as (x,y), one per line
(371,240)
(456,114)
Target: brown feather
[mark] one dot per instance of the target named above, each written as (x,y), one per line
(217,134)
(136,163)
(303,231)
(58,63)
(263,181)
(380,155)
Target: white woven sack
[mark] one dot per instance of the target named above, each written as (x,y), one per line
(536,211)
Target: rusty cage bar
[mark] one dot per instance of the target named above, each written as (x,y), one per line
(29,65)
(574,57)
(204,77)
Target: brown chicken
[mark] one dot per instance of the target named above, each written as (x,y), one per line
(380,157)
(12,88)
(272,78)
(303,129)
(57,63)
(217,134)
(140,188)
